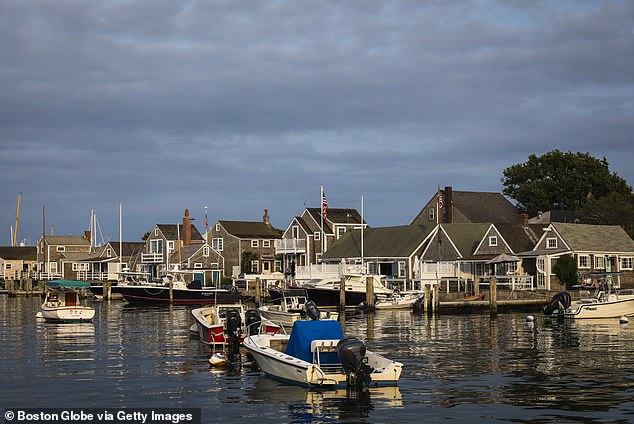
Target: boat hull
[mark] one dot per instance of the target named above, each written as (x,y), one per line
(68,314)
(329,297)
(150,294)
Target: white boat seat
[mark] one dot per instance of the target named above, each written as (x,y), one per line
(324,345)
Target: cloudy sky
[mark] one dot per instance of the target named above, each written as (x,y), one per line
(245,105)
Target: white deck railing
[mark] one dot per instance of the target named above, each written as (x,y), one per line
(290,246)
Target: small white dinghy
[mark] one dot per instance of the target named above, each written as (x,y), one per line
(62,303)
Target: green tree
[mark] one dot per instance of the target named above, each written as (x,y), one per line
(566,271)
(613,209)
(247,257)
(558,180)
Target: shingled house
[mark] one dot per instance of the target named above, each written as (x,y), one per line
(17,262)
(236,240)
(56,256)
(468,207)
(304,241)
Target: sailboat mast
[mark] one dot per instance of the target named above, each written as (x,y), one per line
(362,266)
(120,237)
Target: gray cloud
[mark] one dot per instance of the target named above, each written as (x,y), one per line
(241,106)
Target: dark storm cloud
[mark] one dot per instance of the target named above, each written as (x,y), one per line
(241,106)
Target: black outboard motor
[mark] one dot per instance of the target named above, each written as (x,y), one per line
(354,362)
(311,310)
(252,322)
(233,325)
(559,302)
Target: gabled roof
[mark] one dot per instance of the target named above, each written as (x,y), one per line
(67,240)
(383,242)
(520,238)
(594,238)
(480,207)
(171,232)
(555,216)
(130,248)
(465,236)
(246,229)
(185,253)
(302,223)
(336,216)
(25,253)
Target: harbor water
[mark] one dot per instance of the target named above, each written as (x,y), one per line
(457,368)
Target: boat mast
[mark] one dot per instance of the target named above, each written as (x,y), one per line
(17,216)
(362,266)
(120,237)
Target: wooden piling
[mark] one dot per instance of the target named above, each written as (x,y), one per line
(435,299)
(258,294)
(369,293)
(171,291)
(342,295)
(493,297)
(106,290)
(427,297)
(476,285)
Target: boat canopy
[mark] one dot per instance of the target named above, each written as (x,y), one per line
(304,332)
(71,284)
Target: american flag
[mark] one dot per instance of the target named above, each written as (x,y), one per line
(439,198)
(206,220)
(324,205)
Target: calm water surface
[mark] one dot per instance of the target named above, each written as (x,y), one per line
(457,368)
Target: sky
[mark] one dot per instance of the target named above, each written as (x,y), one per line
(152,107)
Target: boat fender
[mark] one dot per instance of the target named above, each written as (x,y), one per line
(311,310)
(252,322)
(560,301)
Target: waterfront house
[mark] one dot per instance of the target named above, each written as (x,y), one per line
(17,262)
(164,240)
(254,242)
(304,241)
(60,256)
(596,248)
(206,263)
(467,207)
(389,251)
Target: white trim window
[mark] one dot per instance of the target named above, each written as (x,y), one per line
(599,262)
(278,266)
(266,243)
(109,253)
(431,214)
(583,261)
(254,243)
(170,245)
(493,241)
(217,227)
(317,236)
(341,231)
(61,248)
(7,265)
(206,251)
(254,266)
(401,269)
(551,243)
(198,265)
(217,244)
(627,262)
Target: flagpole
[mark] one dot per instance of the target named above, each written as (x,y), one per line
(323,233)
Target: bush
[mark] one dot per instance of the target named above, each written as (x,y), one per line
(566,270)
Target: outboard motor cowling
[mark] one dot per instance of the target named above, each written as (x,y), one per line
(559,302)
(354,362)
(233,327)
(252,322)
(311,310)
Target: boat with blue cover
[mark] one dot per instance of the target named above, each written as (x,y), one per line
(62,302)
(316,354)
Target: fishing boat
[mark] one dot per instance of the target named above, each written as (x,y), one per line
(316,354)
(604,304)
(399,300)
(62,302)
(289,307)
(210,323)
(182,292)
(326,292)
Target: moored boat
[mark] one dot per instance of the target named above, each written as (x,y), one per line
(62,302)
(603,305)
(290,307)
(399,301)
(316,354)
(326,292)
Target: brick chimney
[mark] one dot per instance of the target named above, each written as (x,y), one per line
(449,205)
(187,228)
(265,218)
(524,218)
(87,235)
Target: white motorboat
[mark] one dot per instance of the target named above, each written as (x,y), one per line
(216,324)
(603,305)
(290,307)
(316,354)
(62,303)
(399,300)
(327,292)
